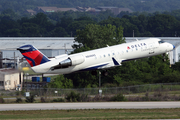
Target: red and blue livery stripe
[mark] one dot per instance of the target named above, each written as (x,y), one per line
(33,55)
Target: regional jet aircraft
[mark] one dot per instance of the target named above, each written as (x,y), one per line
(102,58)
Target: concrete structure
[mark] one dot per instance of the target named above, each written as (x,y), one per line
(32,12)
(50,46)
(114,10)
(52,9)
(53,46)
(10,79)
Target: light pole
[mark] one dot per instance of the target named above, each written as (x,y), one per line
(26,80)
(100,91)
(99,79)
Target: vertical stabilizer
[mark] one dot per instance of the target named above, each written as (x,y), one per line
(33,56)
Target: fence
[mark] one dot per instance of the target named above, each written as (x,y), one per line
(95,91)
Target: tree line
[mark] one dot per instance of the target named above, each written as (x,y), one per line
(65,24)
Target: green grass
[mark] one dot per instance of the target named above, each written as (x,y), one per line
(93,114)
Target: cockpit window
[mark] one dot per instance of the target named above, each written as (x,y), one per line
(160,42)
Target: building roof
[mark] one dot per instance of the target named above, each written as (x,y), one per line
(125,9)
(8,71)
(55,9)
(106,7)
(29,10)
(11,43)
(48,9)
(115,10)
(67,9)
(8,43)
(32,12)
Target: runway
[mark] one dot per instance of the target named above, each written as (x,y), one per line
(89,105)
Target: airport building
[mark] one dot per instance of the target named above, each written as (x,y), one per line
(53,46)
(10,79)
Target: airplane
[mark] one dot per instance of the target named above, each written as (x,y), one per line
(103,58)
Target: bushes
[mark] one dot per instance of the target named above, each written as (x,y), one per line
(119,97)
(1,100)
(58,100)
(30,99)
(43,100)
(73,97)
(84,98)
(77,97)
(19,100)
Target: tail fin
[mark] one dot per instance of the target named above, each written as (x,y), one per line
(33,56)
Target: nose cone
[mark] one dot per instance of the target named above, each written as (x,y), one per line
(170,47)
(173,47)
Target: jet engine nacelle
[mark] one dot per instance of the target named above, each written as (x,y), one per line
(71,61)
(76,59)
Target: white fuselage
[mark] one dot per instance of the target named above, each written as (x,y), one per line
(103,57)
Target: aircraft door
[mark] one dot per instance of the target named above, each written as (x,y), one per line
(151,48)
